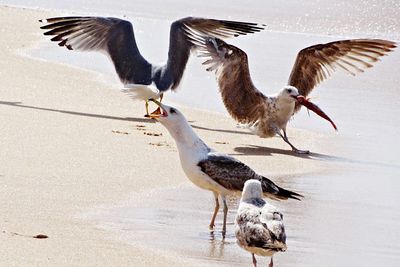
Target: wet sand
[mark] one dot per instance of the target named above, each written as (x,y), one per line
(78,167)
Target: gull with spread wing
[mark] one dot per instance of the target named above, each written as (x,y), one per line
(115,37)
(268,115)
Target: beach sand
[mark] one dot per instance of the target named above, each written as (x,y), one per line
(71,143)
(80,164)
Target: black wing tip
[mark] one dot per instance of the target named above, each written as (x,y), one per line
(243,28)
(286,194)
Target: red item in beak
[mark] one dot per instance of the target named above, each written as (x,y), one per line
(314,108)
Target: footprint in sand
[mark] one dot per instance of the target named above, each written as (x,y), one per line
(160,144)
(222,142)
(119,132)
(140,127)
(152,134)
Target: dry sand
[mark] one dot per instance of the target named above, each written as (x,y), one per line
(70,143)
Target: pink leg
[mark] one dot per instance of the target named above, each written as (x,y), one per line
(271,263)
(212,223)
(254,260)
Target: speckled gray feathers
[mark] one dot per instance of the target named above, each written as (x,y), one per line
(232,174)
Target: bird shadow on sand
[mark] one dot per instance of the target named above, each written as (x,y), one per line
(69,112)
(255,150)
(219,130)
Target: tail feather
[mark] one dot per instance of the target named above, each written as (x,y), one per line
(141,92)
(271,190)
(285,194)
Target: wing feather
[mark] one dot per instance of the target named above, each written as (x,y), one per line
(232,174)
(113,36)
(181,42)
(116,38)
(316,63)
(260,225)
(244,102)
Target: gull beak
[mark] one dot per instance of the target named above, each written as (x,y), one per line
(297,96)
(159,112)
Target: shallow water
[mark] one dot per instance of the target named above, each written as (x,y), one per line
(350,216)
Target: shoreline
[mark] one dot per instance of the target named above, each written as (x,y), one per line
(73,145)
(76,134)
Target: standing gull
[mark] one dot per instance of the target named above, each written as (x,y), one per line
(115,37)
(209,169)
(259,225)
(268,115)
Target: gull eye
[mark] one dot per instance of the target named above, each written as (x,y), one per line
(172,111)
(289,91)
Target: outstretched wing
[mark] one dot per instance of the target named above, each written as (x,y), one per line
(316,63)
(232,174)
(244,102)
(180,46)
(113,36)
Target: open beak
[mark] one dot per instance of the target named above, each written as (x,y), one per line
(159,112)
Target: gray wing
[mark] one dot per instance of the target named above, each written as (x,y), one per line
(316,63)
(232,174)
(244,102)
(113,36)
(116,38)
(180,45)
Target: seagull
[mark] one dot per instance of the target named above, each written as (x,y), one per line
(268,115)
(209,169)
(259,226)
(115,37)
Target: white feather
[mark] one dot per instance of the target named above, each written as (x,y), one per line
(141,91)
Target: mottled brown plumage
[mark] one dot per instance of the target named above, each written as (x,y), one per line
(269,114)
(244,102)
(316,63)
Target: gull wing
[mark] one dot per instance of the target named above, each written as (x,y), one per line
(180,45)
(116,38)
(232,174)
(113,36)
(244,102)
(316,63)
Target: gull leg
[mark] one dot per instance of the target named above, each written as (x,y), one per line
(225,215)
(212,223)
(271,263)
(285,138)
(161,96)
(147,107)
(254,260)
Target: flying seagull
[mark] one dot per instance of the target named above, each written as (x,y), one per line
(268,115)
(259,225)
(115,37)
(209,169)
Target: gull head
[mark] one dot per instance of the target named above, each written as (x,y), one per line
(166,115)
(289,93)
(252,189)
